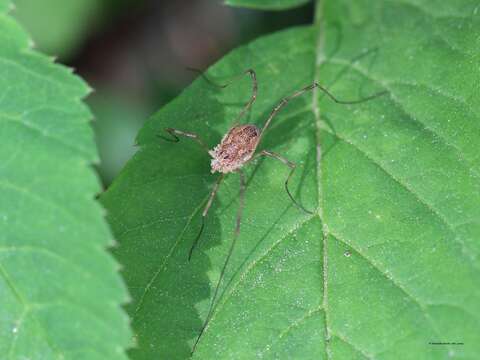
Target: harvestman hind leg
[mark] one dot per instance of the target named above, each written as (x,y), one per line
(300,92)
(227,259)
(204,214)
(292,167)
(284,102)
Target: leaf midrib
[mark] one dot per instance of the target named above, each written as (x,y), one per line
(319,59)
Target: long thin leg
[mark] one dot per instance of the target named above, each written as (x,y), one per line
(204,214)
(285,101)
(253,76)
(357,58)
(250,102)
(292,167)
(175,137)
(230,252)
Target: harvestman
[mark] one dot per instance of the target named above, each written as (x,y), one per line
(236,149)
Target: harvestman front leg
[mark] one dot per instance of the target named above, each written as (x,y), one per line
(176,133)
(253,97)
(175,138)
(227,259)
(292,167)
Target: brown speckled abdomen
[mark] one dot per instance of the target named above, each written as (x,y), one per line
(235,149)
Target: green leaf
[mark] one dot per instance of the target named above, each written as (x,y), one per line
(267,4)
(60,291)
(388,263)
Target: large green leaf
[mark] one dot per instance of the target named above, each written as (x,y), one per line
(60,292)
(388,263)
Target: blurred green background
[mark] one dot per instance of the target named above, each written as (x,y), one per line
(133,53)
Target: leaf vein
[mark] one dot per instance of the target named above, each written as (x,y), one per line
(292,326)
(397,284)
(435,18)
(401,107)
(410,190)
(163,264)
(32,127)
(254,263)
(345,340)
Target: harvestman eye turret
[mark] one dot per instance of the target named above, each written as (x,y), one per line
(236,149)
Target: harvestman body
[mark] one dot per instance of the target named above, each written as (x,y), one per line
(236,149)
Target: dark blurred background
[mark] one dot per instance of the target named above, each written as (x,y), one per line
(134,53)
